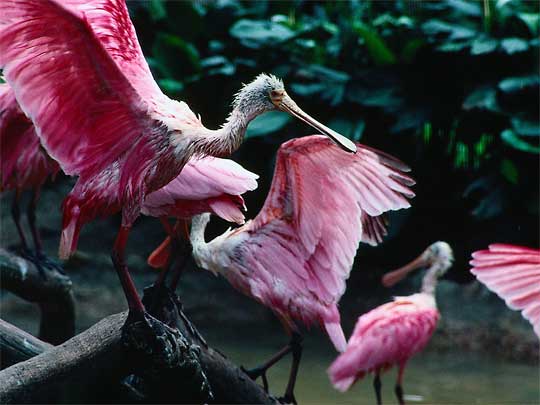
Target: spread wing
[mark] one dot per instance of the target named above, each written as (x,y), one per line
(89,92)
(310,226)
(513,273)
(202,179)
(387,335)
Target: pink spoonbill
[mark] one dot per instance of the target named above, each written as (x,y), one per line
(296,255)
(78,72)
(513,273)
(394,332)
(24,165)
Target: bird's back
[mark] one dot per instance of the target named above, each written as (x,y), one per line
(386,336)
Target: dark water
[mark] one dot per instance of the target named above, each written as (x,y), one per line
(430,378)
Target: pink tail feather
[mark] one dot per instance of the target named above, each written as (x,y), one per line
(335,332)
(70,231)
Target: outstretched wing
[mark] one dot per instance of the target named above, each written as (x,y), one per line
(305,238)
(23,163)
(513,273)
(78,73)
(386,336)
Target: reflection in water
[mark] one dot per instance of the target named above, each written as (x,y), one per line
(430,378)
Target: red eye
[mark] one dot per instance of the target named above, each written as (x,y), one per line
(274,93)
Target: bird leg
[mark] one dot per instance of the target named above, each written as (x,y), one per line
(135,305)
(260,371)
(181,250)
(377,386)
(399,389)
(31,215)
(16,215)
(296,348)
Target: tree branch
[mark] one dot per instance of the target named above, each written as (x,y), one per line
(50,289)
(99,356)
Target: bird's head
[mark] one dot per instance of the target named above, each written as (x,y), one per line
(267,93)
(437,258)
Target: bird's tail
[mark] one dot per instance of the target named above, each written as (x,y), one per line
(159,258)
(335,332)
(71,228)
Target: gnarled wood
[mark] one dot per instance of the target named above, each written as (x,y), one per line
(50,289)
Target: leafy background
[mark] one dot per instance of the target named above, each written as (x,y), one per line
(450,87)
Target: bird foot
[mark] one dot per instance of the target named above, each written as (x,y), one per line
(288,399)
(257,372)
(166,306)
(163,354)
(42,262)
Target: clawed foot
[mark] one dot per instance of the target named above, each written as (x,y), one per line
(257,372)
(188,324)
(42,262)
(287,399)
(165,354)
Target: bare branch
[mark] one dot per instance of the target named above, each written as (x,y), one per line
(50,289)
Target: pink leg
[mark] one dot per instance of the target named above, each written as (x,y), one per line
(118,257)
(399,389)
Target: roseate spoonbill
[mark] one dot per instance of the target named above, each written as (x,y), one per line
(24,165)
(513,273)
(98,111)
(295,256)
(394,332)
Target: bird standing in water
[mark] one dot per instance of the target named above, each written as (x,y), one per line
(79,73)
(513,273)
(295,256)
(394,332)
(24,165)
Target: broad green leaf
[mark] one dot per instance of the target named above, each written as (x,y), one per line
(518,83)
(484,97)
(514,45)
(171,86)
(379,52)
(267,123)
(259,33)
(512,139)
(351,129)
(484,45)
(157,10)
(526,127)
(509,171)
(174,56)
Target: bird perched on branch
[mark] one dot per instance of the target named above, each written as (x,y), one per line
(79,73)
(394,332)
(513,273)
(24,165)
(295,256)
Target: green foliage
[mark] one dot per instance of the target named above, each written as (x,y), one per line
(463,74)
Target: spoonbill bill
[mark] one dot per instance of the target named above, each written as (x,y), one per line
(78,72)
(394,332)
(296,255)
(513,273)
(24,165)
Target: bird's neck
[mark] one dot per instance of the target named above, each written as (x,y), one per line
(227,139)
(196,236)
(429,282)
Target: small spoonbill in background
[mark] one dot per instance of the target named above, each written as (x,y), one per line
(79,73)
(513,273)
(24,165)
(394,332)
(296,255)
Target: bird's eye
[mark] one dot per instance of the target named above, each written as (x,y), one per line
(274,93)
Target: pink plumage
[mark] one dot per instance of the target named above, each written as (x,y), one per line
(205,185)
(24,164)
(295,256)
(386,336)
(513,273)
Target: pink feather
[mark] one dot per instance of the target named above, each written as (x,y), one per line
(295,256)
(23,162)
(513,273)
(385,336)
